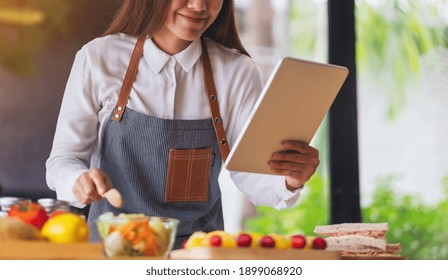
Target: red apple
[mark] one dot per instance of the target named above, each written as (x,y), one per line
(298,241)
(319,243)
(267,242)
(215,241)
(243,240)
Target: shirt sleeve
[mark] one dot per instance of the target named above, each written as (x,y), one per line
(76,132)
(261,190)
(265,190)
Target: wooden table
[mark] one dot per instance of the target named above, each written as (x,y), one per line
(32,250)
(252,254)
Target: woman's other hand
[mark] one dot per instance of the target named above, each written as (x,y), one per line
(298,162)
(91,185)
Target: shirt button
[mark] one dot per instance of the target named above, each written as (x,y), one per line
(170,84)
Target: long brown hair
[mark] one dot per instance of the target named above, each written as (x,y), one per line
(146,17)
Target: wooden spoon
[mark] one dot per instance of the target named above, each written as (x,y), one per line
(113,196)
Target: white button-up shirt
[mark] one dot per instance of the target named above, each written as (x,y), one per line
(168,87)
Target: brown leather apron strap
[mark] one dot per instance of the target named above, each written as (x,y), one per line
(212,95)
(129,79)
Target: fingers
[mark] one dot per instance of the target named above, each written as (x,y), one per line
(91,185)
(297,163)
(301,173)
(300,147)
(295,157)
(101,181)
(299,152)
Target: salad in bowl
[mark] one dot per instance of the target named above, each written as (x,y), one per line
(132,235)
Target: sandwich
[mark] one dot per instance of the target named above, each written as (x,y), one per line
(358,238)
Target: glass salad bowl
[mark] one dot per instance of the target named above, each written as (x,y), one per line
(136,235)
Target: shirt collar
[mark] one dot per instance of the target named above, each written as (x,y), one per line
(157,59)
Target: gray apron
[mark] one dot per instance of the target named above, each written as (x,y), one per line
(135,151)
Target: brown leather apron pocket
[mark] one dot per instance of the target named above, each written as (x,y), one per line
(188,175)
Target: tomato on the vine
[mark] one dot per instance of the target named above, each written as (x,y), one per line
(29,212)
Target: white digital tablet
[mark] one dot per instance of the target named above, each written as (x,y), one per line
(292,105)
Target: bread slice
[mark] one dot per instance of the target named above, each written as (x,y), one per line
(356,244)
(365,229)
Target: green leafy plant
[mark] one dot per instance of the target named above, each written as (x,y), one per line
(421,229)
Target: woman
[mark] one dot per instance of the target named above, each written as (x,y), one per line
(137,107)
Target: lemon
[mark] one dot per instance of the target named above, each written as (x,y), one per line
(66,228)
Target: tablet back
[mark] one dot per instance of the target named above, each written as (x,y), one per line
(292,106)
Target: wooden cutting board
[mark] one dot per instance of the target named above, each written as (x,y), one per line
(204,253)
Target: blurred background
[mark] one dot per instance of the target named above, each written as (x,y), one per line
(401,88)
